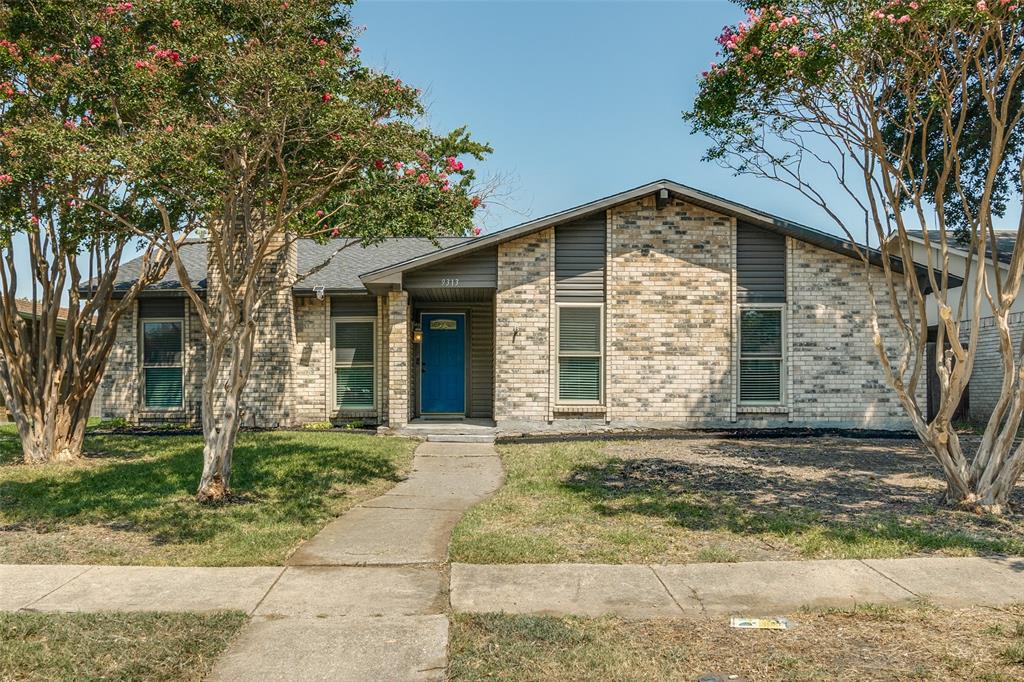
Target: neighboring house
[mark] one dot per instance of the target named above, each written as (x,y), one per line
(987,374)
(662,306)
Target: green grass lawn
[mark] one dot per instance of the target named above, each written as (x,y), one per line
(113,646)
(131,501)
(714,500)
(918,643)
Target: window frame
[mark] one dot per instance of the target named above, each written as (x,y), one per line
(782,356)
(143,366)
(600,355)
(334,355)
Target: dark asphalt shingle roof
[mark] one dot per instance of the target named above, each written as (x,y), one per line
(341,273)
(1006,240)
(343,269)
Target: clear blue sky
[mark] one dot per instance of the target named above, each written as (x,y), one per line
(579,99)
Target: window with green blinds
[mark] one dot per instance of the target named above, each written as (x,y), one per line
(579,354)
(761,355)
(354,365)
(162,371)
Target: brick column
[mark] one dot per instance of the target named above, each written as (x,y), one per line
(398,358)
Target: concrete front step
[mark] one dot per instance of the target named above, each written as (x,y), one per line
(458,438)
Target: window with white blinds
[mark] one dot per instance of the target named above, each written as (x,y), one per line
(354,364)
(162,364)
(580,354)
(761,360)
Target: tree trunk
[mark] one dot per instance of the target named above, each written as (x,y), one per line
(51,441)
(222,394)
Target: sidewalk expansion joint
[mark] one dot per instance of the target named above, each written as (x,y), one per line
(269,589)
(28,606)
(890,579)
(672,596)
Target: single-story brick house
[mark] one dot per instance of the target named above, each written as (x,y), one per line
(661,306)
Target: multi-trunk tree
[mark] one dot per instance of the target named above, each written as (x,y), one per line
(304,142)
(912,109)
(88,164)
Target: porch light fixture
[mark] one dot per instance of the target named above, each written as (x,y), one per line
(417,334)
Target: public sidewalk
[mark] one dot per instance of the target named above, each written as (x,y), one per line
(759,588)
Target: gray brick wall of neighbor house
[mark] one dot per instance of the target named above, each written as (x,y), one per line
(987,375)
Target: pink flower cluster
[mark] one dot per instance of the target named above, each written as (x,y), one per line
(6,178)
(12,49)
(319,42)
(95,43)
(453,164)
(7,88)
(110,10)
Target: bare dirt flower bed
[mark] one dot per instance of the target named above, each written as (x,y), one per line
(726,499)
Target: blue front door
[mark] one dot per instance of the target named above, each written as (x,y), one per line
(443,364)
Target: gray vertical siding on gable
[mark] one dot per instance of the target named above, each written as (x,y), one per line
(580,260)
(476,270)
(481,360)
(162,307)
(760,265)
(353,306)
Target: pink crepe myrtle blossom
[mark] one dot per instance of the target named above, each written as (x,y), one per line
(176,24)
(6,178)
(95,43)
(423,179)
(477,231)
(320,214)
(335,232)
(378,164)
(410,171)
(34,220)
(124,6)
(398,165)
(327,97)
(982,6)
(904,19)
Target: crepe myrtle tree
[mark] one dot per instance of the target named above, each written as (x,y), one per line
(830,94)
(89,171)
(301,141)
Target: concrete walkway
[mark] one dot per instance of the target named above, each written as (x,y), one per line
(366,598)
(762,588)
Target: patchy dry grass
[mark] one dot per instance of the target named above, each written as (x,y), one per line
(113,646)
(918,643)
(132,500)
(715,499)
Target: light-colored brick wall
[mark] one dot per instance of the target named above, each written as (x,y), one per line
(120,384)
(668,305)
(836,376)
(121,396)
(312,359)
(398,358)
(523,328)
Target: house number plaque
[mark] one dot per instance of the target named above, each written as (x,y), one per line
(449,282)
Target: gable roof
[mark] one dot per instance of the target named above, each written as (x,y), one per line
(1006,241)
(773,223)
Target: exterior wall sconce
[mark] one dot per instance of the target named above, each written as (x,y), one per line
(417,334)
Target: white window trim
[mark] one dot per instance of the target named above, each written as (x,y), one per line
(558,354)
(143,321)
(783,355)
(334,362)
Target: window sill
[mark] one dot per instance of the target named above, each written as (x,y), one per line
(576,409)
(762,409)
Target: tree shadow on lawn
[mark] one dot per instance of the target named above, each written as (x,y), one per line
(844,493)
(148,482)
